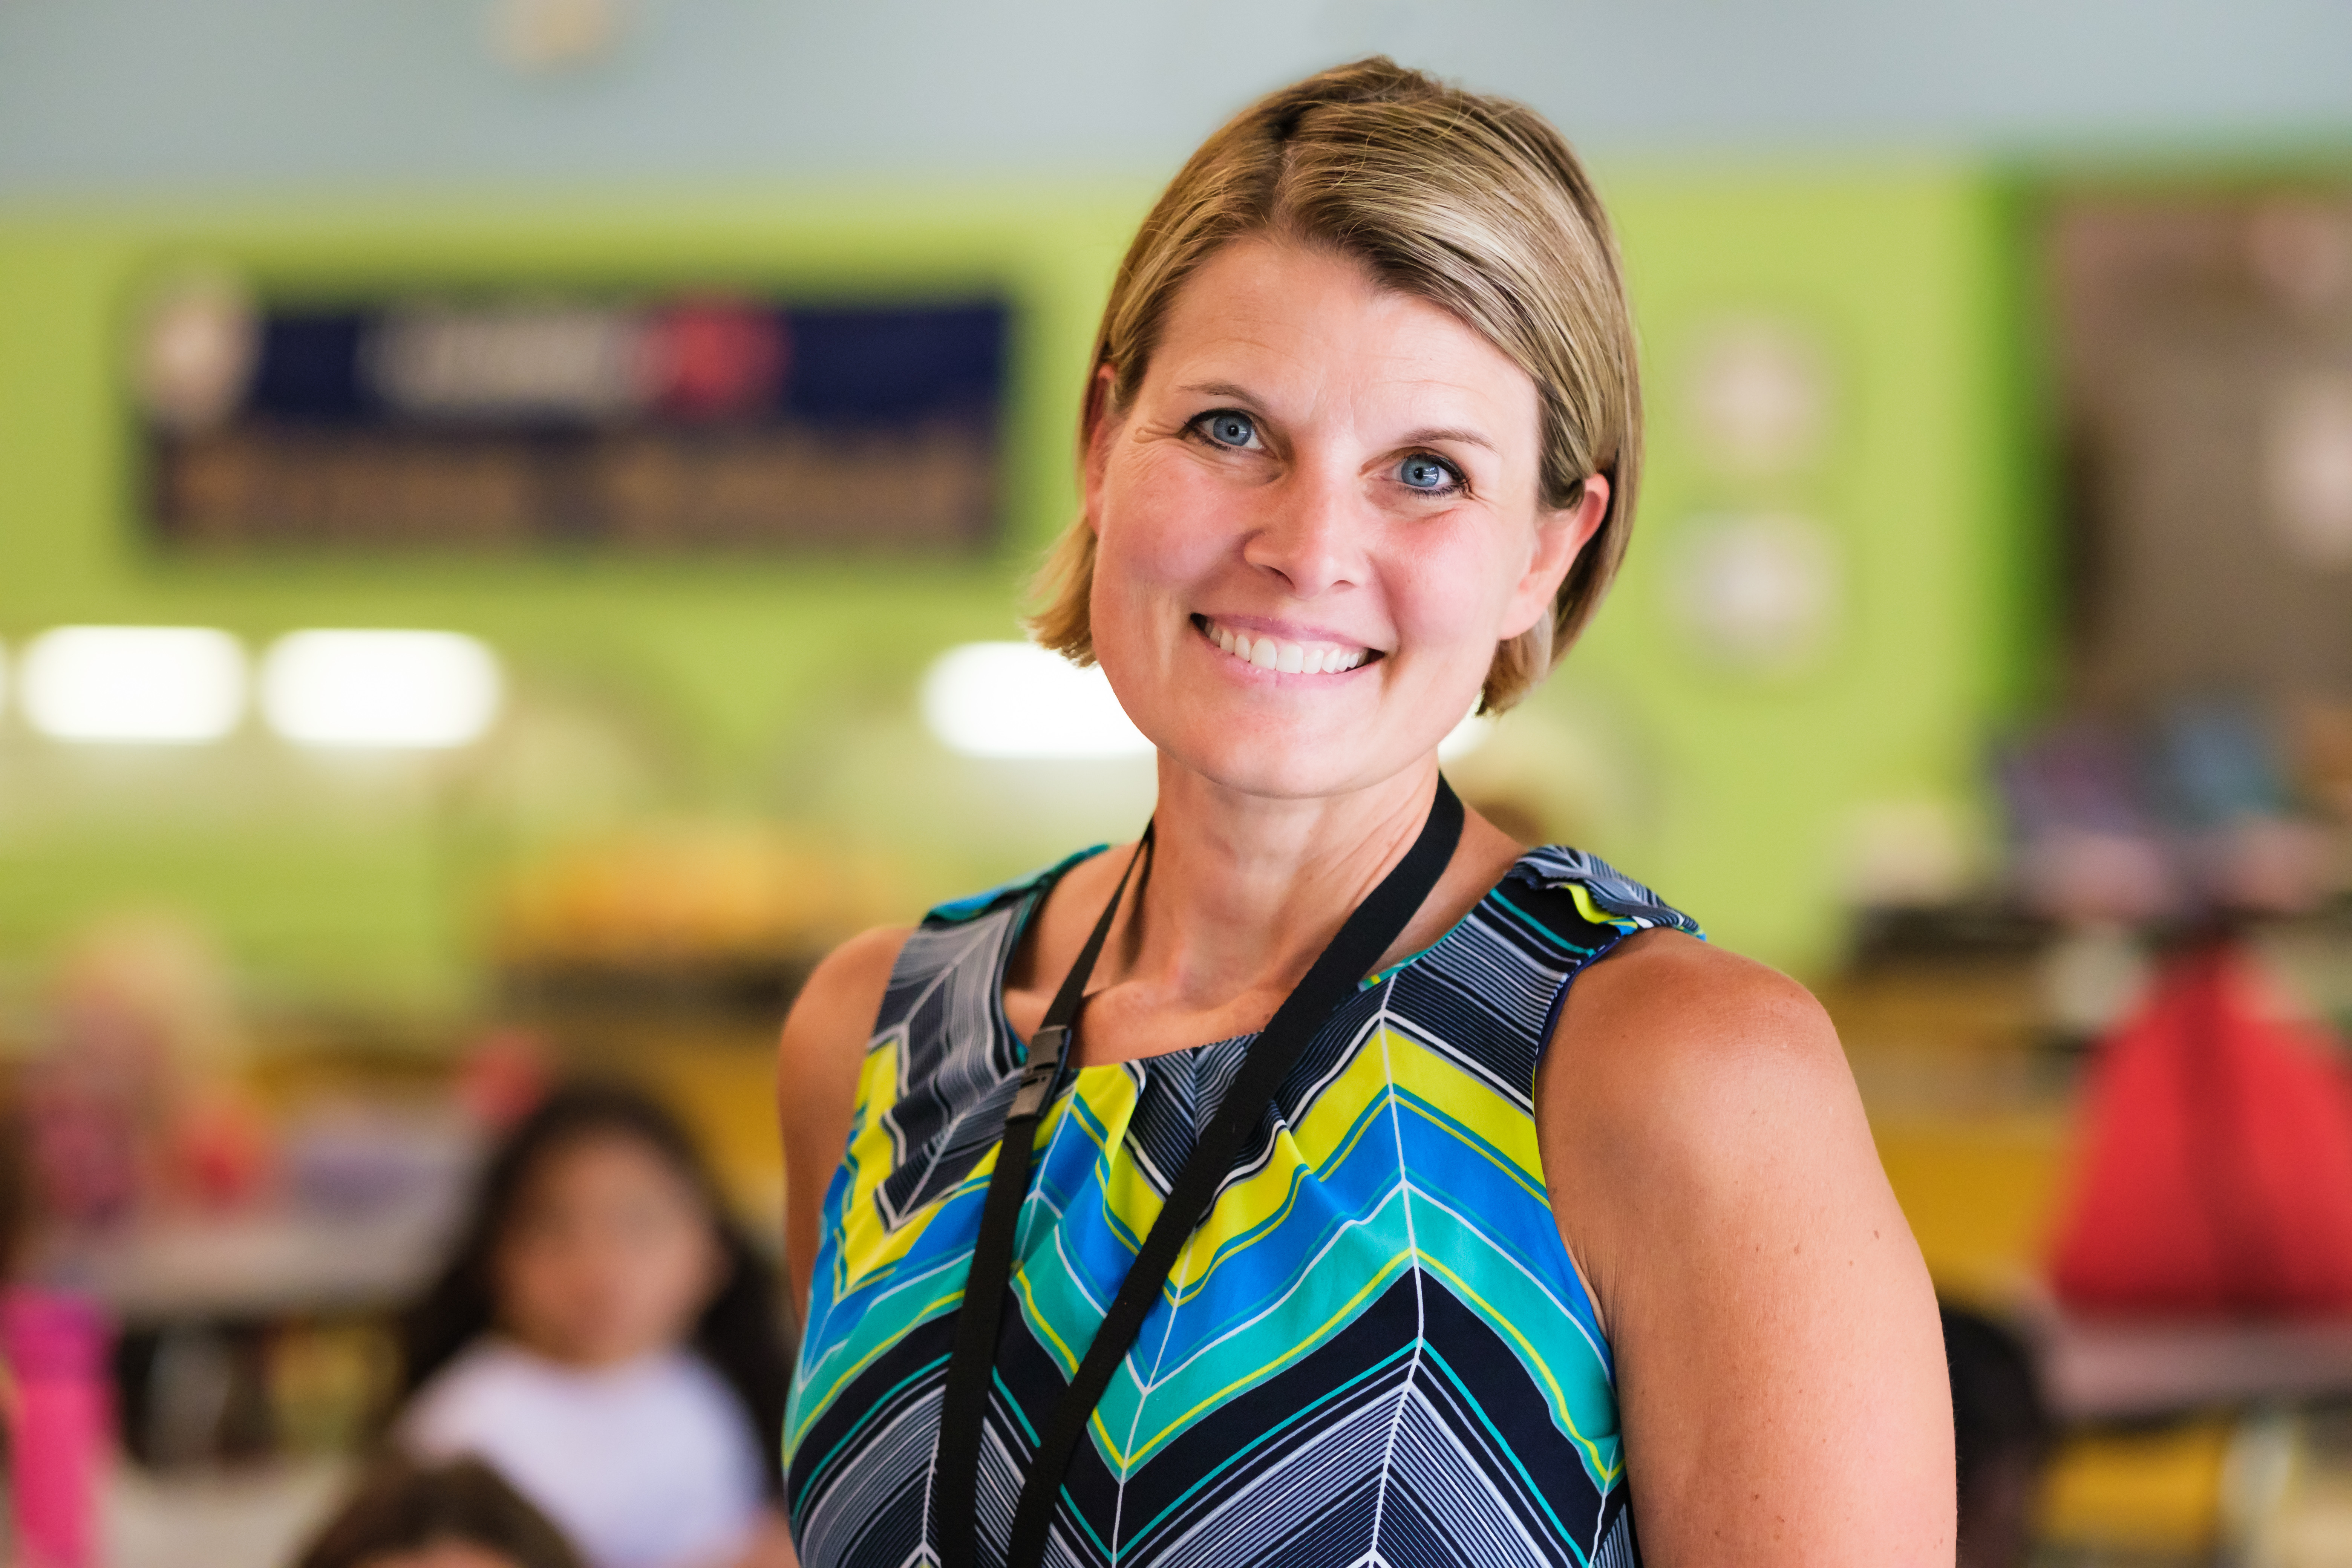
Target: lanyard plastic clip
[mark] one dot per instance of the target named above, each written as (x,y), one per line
(1041,1079)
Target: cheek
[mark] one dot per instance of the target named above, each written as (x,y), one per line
(676,1293)
(671,1266)
(1163,523)
(1448,584)
(534,1276)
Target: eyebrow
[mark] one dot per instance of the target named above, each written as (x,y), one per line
(1220,389)
(1432,437)
(1417,439)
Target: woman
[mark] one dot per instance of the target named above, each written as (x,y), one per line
(1512,1256)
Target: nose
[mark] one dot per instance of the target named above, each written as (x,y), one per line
(1311,533)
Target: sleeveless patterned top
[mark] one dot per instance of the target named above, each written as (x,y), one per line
(1375,1349)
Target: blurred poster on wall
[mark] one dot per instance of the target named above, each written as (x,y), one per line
(2204,351)
(656,422)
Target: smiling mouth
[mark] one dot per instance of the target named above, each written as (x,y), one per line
(1285,658)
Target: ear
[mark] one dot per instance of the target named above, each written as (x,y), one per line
(1561,534)
(1096,429)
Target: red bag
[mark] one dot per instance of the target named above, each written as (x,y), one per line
(2215,1173)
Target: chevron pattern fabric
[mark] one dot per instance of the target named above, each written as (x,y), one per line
(1374,1350)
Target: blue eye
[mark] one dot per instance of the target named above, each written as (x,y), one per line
(1426,473)
(1228,429)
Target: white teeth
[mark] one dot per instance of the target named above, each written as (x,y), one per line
(1287,658)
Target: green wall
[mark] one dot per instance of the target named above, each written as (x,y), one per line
(1765,783)
(752,688)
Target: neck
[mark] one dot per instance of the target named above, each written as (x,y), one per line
(581,1355)
(1244,891)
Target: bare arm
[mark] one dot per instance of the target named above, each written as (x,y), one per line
(1780,1363)
(817,1065)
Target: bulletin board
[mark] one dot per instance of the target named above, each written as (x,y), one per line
(2203,348)
(659,420)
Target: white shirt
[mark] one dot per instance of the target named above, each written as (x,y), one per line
(650,1464)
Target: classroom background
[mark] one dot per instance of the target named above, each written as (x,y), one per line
(513,516)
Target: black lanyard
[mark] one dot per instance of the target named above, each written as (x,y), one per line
(1370,931)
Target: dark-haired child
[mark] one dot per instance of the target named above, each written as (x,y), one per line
(457,1515)
(606,1339)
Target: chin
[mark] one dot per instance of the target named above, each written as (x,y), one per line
(1276,762)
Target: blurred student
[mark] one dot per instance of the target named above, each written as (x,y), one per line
(2001,1438)
(457,1515)
(16,1220)
(607,1340)
(57,1405)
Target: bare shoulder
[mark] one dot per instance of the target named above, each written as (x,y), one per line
(1680,1081)
(817,1063)
(825,1035)
(1669,1024)
(842,995)
(1713,1175)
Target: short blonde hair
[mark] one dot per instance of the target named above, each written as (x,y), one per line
(1474,203)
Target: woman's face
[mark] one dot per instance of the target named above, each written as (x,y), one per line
(607,1255)
(1318,519)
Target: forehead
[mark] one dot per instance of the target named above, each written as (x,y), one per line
(598,1157)
(1288,321)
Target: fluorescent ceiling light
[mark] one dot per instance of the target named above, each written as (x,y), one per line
(1016,700)
(154,685)
(380,688)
